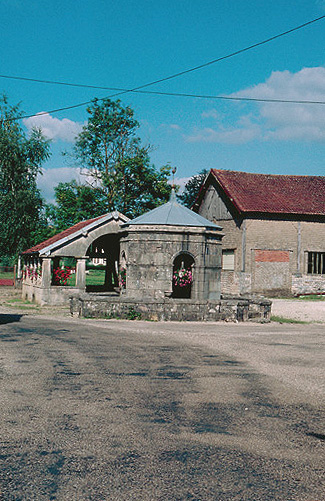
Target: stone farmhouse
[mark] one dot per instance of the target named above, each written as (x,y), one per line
(274,231)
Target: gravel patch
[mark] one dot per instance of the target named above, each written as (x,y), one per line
(298,309)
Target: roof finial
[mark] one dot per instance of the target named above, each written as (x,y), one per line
(174,172)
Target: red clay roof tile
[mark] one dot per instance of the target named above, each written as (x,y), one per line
(59,236)
(268,193)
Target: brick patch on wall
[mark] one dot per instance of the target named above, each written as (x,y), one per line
(271,256)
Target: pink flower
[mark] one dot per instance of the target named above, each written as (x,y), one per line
(182,277)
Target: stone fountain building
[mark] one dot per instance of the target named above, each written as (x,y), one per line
(165,240)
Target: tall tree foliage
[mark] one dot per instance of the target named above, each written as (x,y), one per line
(192,188)
(21,158)
(74,203)
(111,152)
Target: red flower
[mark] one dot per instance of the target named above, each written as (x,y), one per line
(62,275)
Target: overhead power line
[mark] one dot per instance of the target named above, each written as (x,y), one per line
(230,98)
(199,96)
(240,51)
(176,94)
(175,75)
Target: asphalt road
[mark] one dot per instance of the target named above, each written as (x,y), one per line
(94,410)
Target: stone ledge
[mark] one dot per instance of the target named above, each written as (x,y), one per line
(230,309)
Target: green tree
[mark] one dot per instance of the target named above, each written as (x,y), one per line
(192,188)
(74,203)
(139,186)
(21,158)
(108,137)
(111,153)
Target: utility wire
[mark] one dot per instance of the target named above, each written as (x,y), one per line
(240,51)
(175,75)
(56,82)
(229,98)
(199,96)
(173,94)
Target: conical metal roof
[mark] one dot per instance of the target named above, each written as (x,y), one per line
(173,214)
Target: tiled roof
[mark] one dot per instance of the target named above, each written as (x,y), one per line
(69,233)
(173,214)
(268,193)
(59,236)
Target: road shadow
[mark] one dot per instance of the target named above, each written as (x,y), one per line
(7,318)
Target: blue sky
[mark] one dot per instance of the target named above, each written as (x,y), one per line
(129,43)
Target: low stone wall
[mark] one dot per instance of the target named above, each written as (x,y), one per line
(233,282)
(229,309)
(308,284)
(55,295)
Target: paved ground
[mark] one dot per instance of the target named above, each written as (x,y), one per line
(117,410)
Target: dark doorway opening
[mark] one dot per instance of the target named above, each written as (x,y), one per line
(102,265)
(183,268)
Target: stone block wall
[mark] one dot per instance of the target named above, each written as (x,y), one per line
(231,309)
(271,271)
(54,295)
(150,253)
(308,284)
(235,282)
(272,257)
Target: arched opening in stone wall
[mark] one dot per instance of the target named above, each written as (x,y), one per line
(183,270)
(102,264)
(122,272)
(63,271)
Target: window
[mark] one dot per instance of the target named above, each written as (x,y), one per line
(228,260)
(316,263)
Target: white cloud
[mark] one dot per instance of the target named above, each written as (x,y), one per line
(52,177)
(170,127)
(321,4)
(54,128)
(229,135)
(273,121)
(174,126)
(213,113)
(285,121)
(181,182)
(307,84)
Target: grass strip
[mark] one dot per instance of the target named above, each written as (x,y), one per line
(283,320)
(312,297)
